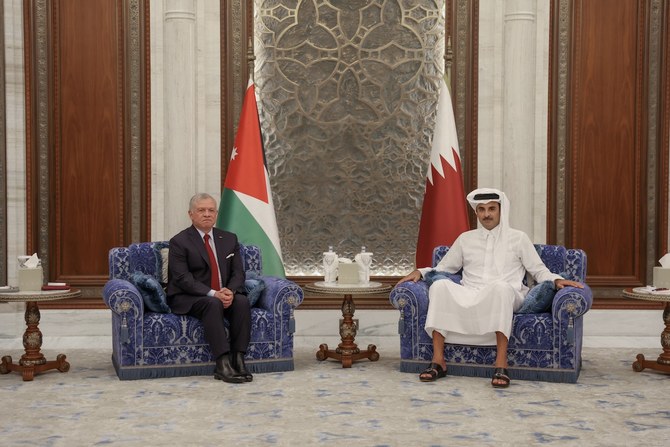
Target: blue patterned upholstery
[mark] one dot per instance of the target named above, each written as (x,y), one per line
(545,346)
(148,344)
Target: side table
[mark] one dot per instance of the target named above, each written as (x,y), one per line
(33,361)
(663,361)
(347,351)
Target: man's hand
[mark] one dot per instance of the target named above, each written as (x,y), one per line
(414,277)
(226,296)
(560,283)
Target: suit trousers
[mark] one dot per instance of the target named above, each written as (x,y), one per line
(210,311)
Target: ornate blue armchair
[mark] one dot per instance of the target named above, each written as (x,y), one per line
(149,344)
(543,346)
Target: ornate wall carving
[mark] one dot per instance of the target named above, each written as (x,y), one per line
(347,93)
(3,158)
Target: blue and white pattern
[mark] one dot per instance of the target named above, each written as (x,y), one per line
(542,346)
(149,345)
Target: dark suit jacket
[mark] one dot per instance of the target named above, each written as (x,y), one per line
(189,272)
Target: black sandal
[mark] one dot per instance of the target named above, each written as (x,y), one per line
(434,370)
(500,374)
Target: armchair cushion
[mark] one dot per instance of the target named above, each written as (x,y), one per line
(434,275)
(165,253)
(539,299)
(152,292)
(254,285)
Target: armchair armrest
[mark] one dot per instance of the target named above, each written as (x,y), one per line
(572,301)
(122,296)
(127,307)
(280,297)
(414,294)
(410,295)
(411,299)
(569,304)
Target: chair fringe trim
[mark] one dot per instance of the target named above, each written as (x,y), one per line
(200,369)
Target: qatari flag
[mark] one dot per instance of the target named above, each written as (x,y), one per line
(444,214)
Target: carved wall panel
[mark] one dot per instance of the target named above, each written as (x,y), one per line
(3,158)
(87,143)
(347,93)
(609,167)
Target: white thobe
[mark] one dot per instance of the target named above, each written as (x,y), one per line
(483,304)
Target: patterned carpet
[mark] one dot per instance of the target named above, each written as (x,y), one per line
(371,404)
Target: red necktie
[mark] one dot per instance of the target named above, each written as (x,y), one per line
(213,265)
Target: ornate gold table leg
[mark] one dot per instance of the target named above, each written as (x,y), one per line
(663,361)
(347,351)
(33,361)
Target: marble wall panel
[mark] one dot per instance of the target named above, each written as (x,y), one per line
(15,137)
(185,110)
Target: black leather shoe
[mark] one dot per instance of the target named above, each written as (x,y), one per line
(225,371)
(241,368)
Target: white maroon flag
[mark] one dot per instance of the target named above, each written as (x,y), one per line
(444,215)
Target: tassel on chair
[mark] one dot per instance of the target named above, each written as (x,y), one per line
(571,331)
(401,324)
(291,323)
(124,331)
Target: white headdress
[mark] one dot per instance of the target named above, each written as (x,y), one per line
(486,195)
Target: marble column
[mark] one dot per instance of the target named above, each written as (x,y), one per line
(513,107)
(185,109)
(15,128)
(179,90)
(519,110)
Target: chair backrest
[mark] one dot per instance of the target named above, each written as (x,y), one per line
(570,263)
(149,257)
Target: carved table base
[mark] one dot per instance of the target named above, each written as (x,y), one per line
(347,351)
(28,371)
(662,363)
(33,361)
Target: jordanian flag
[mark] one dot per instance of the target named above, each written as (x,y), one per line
(246,202)
(444,214)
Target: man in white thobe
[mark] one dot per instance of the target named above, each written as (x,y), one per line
(494,259)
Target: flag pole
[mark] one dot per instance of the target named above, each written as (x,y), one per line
(448,58)
(251,57)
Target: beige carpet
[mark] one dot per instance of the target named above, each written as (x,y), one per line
(320,403)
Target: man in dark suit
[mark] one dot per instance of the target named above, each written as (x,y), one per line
(197,287)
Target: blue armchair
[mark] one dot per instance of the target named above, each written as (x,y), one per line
(148,344)
(543,346)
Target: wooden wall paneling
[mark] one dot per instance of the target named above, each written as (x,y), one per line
(88,154)
(557,134)
(237,22)
(608,151)
(36,30)
(663,166)
(603,85)
(463,27)
(137,115)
